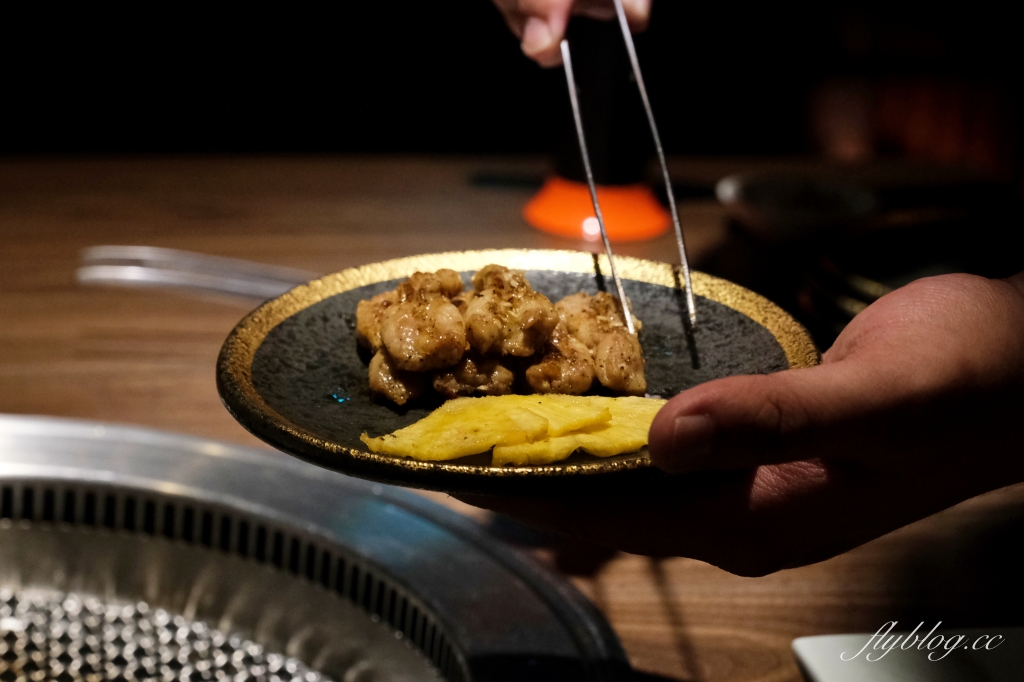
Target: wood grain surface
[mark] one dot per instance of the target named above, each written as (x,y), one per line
(147,358)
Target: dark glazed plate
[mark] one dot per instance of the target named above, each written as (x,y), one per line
(292,373)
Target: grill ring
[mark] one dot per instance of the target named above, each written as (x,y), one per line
(471,605)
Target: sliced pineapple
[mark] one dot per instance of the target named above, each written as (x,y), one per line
(467,426)
(460,427)
(612,440)
(524,430)
(546,451)
(626,432)
(565,413)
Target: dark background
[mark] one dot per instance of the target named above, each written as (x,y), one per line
(448,77)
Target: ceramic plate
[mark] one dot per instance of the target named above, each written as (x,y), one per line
(292,373)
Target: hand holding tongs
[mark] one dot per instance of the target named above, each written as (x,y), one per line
(631,49)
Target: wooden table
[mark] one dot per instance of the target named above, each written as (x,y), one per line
(147,358)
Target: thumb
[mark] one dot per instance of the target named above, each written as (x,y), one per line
(746,421)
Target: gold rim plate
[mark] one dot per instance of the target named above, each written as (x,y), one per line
(240,395)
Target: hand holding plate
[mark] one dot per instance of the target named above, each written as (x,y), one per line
(915,408)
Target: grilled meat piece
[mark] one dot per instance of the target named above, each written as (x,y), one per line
(474,375)
(619,362)
(398,386)
(505,316)
(565,367)
(423,330)
(597,321)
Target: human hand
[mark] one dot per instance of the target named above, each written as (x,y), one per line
(916,407)
(540,24)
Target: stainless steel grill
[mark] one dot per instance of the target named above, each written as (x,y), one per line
(327,576)
(65,637)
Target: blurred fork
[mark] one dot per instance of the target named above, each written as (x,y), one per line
(150,266)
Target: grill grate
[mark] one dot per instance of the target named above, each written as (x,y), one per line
(53,636)
(231,531)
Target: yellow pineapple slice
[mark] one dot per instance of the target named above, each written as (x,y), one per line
(612,440)
(460,427)
(546,451)
(565,413)
(634,409)
(524,430)
(626,432)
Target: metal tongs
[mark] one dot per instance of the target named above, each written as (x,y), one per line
(150,266)
(631,49)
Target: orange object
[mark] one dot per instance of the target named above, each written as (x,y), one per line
(563,207)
